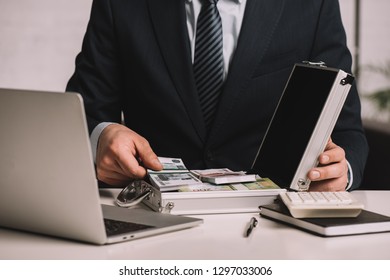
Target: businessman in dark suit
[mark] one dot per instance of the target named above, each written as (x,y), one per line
(137,60)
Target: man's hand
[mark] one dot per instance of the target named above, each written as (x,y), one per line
(123,155)
(332,171)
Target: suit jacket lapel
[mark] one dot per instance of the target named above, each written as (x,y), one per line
(170,26)
(260,20)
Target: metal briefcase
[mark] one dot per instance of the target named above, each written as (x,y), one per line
(196,202)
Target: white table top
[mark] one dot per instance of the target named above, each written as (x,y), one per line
(220,237)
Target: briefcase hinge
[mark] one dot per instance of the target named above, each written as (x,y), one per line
(303,185)
(348,80)
(167,208)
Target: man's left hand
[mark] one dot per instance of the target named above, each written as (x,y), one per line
(332,171)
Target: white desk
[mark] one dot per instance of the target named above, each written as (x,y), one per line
(220,237)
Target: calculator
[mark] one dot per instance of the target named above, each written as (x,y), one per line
(321,204)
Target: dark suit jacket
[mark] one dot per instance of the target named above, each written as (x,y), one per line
(136,58)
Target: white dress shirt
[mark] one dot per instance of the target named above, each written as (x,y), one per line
(231,12)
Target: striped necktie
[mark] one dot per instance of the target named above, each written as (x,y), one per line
(208,60)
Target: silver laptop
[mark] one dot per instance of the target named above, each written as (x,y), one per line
(47,177)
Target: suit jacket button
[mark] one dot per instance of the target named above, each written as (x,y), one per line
(209,156)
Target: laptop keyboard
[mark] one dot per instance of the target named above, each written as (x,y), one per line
(114,227)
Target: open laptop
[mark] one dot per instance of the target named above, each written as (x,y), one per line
(47,177)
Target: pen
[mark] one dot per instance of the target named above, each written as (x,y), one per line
(252,224)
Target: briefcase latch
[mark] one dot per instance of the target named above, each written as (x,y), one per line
(133,194)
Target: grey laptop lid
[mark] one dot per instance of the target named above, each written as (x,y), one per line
(47,175)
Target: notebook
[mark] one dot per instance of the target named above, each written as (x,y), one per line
(365,222)
(47,176)
(302,124)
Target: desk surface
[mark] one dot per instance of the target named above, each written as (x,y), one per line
(220,237)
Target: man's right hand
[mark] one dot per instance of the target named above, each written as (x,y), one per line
(123,155)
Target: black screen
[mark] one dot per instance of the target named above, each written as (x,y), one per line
(293,123)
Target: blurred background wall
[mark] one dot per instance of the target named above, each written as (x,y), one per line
(39,40)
